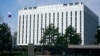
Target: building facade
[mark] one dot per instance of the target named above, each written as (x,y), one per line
(32,21)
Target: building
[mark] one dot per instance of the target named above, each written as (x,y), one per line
(32,20)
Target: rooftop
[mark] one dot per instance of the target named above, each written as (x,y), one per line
(65,4)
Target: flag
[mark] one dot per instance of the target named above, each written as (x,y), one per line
(9,15)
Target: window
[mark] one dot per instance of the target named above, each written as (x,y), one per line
(23,30)
(34,7)
(45,20)
(80,22)
(34,28)
(26,26)
(49,18)
(58,20)
(64,4)
(41,23)
(66,19)
(62,23)
(19,27)
(70,3)
(25,8)
(37,26)
(30,31)
(75,20)
(76,3)
(49,23)
(54,19)
(30,7)
(71,18)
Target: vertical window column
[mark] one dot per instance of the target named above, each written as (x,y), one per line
(49,24)
(30,31)
(23,30)
(19,28)
(33,28)
(76,21)
(58,22)
(54,19)
(80,22)
(45,20)
(26,26)
(53,24)
(71,18)
(62,24)
(37,26)
(66,19)
(41,25)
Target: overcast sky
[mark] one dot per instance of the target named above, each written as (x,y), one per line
(14,5)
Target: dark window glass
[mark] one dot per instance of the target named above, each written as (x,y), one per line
(34,7)
(34,28)
(25,8)
(30,7)
(80,22)
(23,29)
(70,3)
(71,18)
(58,19)
(62,23)
(49,18)
(19,27)
(37,26)
(54,19)
(66,19)
(64,4)
(58,22)
(75,20)
(49,23)
(76,3)
(30,31)
(45,20)
(26,26)
(41,24)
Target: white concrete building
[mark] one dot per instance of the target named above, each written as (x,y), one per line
(31,20)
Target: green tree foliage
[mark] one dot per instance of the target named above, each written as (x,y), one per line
(71,36)
(53,40)
(49,35)
(1,18)
(97,36)
(5,36)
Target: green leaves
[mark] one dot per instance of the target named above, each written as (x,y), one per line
(5,35)
(71,36)
(49,35)
(97,36)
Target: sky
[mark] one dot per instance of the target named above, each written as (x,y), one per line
(14,5)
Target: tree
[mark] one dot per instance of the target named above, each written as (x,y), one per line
(71,36)
(97,36)
(49,35)
(1,18)
(5,36)
(14,39)
(53,40)
(61,44)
